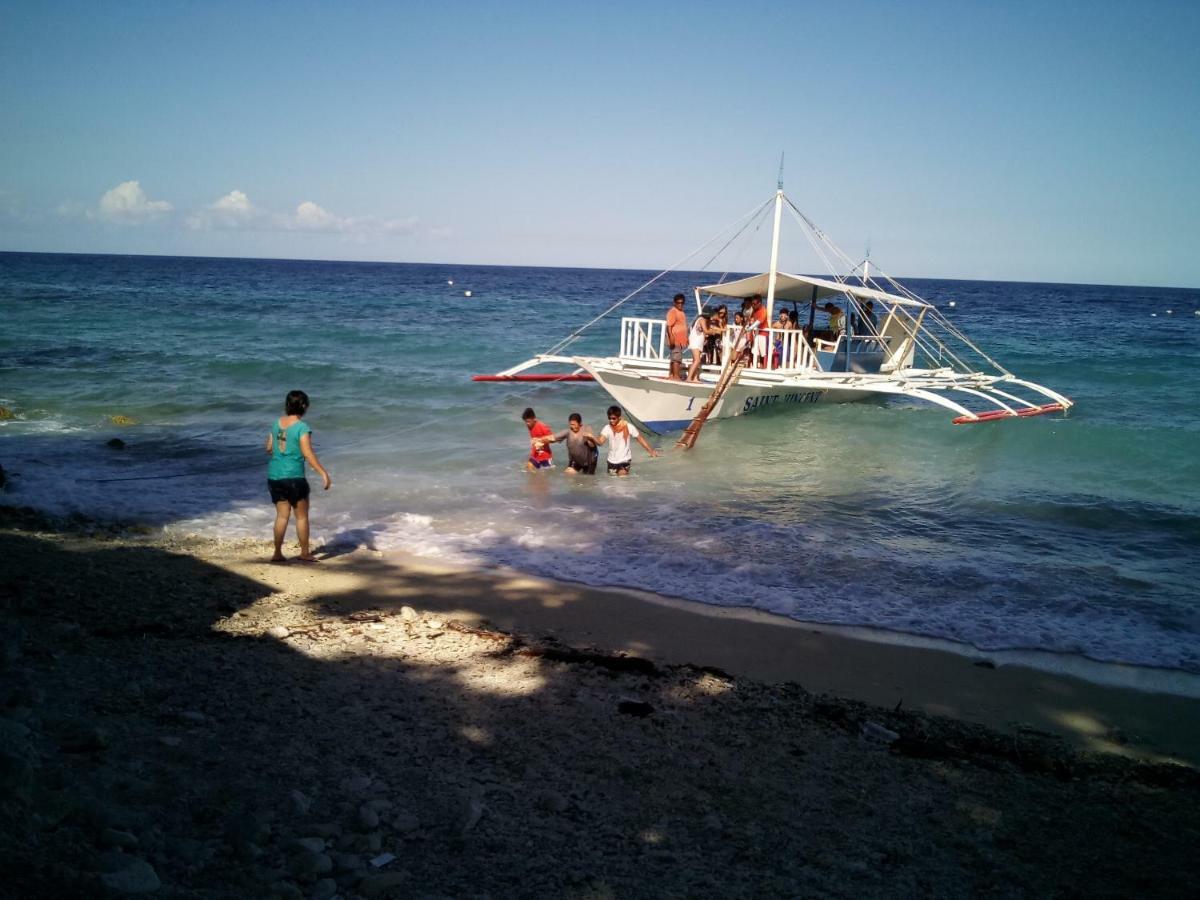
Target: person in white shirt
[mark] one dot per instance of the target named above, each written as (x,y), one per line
(618,434)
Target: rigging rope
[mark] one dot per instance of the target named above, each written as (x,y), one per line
(574,336)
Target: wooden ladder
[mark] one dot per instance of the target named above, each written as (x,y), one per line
(728,376)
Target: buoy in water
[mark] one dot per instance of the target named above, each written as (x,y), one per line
(466,293)
(1154,315)
(951,302)
(1170,312)
(451,281)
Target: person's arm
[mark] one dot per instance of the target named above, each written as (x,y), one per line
(602,436)
(307,450)
(270,442)
(645,446)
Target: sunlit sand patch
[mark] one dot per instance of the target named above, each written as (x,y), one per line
(1080,722)
(476,735)
(513,679)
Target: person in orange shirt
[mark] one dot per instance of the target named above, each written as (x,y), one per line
(677,336)
(540,456)
(758,314)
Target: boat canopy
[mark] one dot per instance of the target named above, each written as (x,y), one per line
(800,288)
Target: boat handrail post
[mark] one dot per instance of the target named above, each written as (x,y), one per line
(774,256)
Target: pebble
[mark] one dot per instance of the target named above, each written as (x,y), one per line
(347,862)
(324,889)
(169,740)
(368,818)
(78,736)
(278,632)
(301,802)
(114,837)
(408,614)
(551,801)
(126,874)
(406,823)
(378,885)
(312,844)
(873,731)
(308,863)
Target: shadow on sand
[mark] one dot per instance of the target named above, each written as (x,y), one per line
(143,725)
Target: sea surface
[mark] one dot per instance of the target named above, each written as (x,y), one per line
(1078,535)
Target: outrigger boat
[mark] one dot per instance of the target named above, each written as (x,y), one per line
(913,351)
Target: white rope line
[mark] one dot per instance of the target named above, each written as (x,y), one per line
(574,336)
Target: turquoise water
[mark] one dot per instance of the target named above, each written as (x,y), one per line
(1074,534)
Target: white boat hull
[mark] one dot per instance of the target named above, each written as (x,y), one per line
(664,406)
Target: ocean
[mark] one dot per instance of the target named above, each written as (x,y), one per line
(1078,535)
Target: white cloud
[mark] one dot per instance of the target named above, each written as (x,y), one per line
(310,216)
(234,210)
(127,203)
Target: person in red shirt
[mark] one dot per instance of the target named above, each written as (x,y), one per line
(758,313)
(677,336)
(540,456)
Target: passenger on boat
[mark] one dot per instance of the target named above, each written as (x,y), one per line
(696,339)
(783,323)
(738,339)
(758,315)
(837,324)
(717,323)
(617,434)
(866,322)
(581,446)
(677,335)
(540,456)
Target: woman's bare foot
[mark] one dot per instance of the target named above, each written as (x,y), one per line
(307,559)
(278,560)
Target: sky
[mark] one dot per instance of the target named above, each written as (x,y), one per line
(1049,141)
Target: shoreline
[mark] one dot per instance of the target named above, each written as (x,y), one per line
(997,690)
(1112,708)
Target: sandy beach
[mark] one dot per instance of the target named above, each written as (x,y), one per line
(181,718)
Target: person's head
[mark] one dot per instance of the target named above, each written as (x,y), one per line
(677,301)
(784,316)
(830,308)
(722,311)
(738,319)
(870,306)
(614,414)
(529,417)
(295,403)
(574,421)
(706,313)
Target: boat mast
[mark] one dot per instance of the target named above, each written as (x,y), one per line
(775,245)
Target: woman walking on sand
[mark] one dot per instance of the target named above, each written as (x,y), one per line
(290,444)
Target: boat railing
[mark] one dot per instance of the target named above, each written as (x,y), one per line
(787,350)
(643,338)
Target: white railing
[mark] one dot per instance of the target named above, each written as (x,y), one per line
(643,339)
(787,350)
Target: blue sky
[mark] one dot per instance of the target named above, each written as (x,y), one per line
(1039,141)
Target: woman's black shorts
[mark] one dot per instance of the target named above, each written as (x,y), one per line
(293,490)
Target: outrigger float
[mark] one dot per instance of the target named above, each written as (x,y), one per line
(914,351)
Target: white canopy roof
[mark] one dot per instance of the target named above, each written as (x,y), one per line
(800,288)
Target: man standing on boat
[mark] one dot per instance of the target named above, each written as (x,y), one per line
(758,317)
(677,336)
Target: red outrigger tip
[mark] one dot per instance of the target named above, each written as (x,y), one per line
(1005,414)
(544,377)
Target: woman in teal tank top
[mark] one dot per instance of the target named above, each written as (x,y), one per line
(290,444)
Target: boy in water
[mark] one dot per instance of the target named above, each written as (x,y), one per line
(581,446)
(540,456)
(619,432)
(290,445)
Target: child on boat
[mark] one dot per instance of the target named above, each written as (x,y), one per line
(290,444)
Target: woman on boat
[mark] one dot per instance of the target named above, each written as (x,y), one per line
(696,338)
